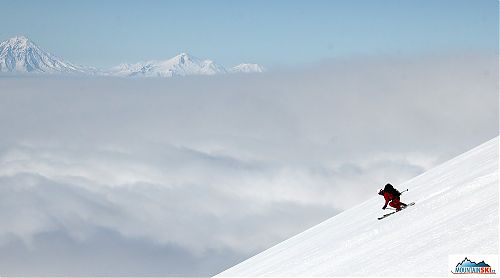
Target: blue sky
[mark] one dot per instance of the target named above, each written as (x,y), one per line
(105,33)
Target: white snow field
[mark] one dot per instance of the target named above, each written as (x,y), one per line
(456,212)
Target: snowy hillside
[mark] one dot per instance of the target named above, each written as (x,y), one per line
(456,212)
(21,55)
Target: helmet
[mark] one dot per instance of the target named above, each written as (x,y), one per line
(388,187)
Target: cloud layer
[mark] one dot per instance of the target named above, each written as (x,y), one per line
(188,176)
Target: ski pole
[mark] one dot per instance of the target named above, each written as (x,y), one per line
(404,191)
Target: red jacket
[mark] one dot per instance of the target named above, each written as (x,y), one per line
(388,197)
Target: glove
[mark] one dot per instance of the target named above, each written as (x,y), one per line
(384,207)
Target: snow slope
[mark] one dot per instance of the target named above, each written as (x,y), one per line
(456,212)
(21,55)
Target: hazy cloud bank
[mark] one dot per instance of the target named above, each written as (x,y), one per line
(188,176)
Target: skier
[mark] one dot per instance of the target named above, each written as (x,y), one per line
(391,195)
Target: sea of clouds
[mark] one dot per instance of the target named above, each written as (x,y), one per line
(189,176)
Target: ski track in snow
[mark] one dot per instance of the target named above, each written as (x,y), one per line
(456,212)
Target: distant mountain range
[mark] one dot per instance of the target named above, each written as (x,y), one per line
(20,55)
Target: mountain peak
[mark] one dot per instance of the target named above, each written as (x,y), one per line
(21,55)
(19,38)
(182,64)
(182,58)
(18,42)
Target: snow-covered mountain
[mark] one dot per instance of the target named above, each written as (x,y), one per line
(180,65)
(247,68)
(21,55)
(456,212)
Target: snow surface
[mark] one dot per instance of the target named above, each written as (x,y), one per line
(21,55)
(456,212)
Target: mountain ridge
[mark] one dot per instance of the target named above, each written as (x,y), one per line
(182,64)
(20,55)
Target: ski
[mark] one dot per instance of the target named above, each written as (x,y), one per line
(391,213)
(385,215)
